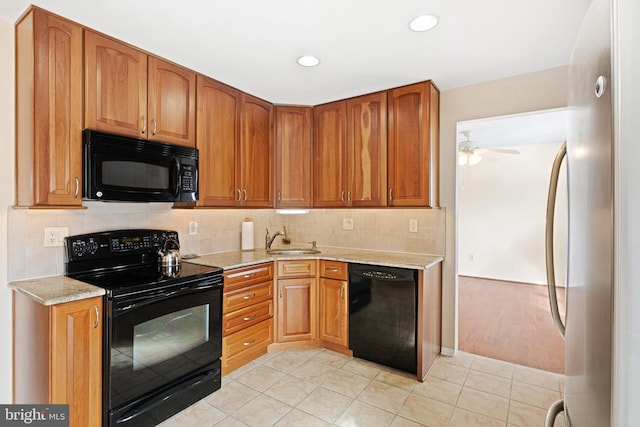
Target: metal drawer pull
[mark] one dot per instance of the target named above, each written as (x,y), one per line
(249,296)
(95,325)
(253,316)
(333,270)
(249,276)
(251,341)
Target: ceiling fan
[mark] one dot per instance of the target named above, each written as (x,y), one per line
(469,152)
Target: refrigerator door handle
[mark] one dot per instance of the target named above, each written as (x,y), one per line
(555,409)
(548,241)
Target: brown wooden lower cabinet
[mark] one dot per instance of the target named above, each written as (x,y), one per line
(296,296)
(247,315)
(334,303)
(58,356)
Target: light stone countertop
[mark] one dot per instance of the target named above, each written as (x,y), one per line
(56,289)
(236,259)
(60,289)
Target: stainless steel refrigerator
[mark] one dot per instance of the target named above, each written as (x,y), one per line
(588,322)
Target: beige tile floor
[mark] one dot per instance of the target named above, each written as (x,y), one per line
(319,387)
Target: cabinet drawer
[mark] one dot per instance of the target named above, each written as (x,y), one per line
(297,268)
(239,278)
(240,319)
(247,296)
(242,345)
(334,270)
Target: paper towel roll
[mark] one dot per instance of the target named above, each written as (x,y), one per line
(247,235)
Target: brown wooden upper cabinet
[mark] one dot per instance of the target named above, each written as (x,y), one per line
(132,93)
(293,156)
(413,145)
(49,111)
(350,152)
(256,152)
(235,143)
(217,139)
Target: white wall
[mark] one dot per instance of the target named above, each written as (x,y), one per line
(501,216)
(6,199)
(541,90)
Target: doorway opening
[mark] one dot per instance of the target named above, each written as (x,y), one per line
(503,172)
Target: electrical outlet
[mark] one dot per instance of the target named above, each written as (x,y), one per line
(193,228)
(471,257)
(413,226)
(347,223)
(54,236)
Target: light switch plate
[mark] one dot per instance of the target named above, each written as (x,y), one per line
(193,228)
(347,223)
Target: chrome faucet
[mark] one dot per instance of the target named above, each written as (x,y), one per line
(268,239)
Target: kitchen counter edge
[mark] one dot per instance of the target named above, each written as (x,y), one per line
(61,289)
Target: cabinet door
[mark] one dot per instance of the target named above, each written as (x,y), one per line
(217,133)
(334,311)
(171,103)
(49,129)
(115,87)
(256,152)
(297,309)
(293,156)
(413,140)
(329,155)
(76,360)
(367,150)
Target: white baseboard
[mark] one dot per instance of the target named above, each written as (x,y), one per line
(447,351)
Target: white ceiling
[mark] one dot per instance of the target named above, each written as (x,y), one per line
(364,45)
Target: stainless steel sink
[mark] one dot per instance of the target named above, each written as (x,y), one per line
(292,251)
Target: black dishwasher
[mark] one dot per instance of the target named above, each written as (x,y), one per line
(383,304)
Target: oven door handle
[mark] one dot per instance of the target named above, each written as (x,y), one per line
(144,301)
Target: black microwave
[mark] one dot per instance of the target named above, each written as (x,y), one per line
(120,168)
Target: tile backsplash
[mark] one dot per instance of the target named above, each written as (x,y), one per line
(219,230)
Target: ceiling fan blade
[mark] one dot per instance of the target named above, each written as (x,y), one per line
(498,150)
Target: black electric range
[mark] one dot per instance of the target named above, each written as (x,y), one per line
(162,336)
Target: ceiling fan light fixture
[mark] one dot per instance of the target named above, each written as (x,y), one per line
(424,22)
(308,61)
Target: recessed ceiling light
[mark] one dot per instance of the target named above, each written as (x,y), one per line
(308,61)
(423,22)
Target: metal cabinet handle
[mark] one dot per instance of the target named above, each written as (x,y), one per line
(249,276)
(239,195)
(244,191)
(95,325)
(280,291)
(342,197)
(548,238)
(348,196)
(77,191)
(249,296)
(333,270)
(144,124)
(251,341)
(246,319)
(390,194)
(155,126)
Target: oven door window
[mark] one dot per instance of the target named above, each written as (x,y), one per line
(159,342)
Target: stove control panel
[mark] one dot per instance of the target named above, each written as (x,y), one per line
(118,242)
